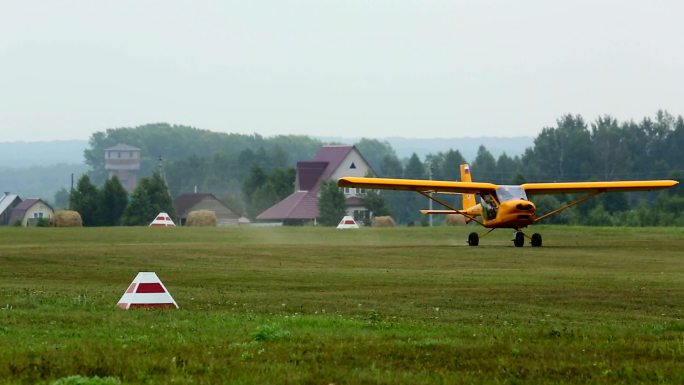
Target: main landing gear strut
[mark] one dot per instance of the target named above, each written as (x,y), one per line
(518,238)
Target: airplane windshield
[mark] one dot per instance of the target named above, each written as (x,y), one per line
(506,193)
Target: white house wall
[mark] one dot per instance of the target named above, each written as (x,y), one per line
(361,169)
(36,209)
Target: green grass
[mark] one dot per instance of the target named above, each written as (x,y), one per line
(320,306)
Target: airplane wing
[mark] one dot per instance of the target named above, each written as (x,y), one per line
(425,186)
(590,187)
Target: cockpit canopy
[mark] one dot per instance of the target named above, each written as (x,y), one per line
(506,193)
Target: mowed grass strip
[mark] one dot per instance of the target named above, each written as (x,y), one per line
(319,306)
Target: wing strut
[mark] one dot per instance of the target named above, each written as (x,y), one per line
(441,202)
(567,206)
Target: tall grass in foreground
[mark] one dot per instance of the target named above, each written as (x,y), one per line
(320,306)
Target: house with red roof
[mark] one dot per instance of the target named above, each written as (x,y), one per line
(330,163)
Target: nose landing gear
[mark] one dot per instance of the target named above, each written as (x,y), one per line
(519,239)
(536,240)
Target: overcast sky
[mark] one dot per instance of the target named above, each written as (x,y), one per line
(334,68)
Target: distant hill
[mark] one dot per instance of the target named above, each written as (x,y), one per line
(39,169)
(29,154)
(39,181)
(405,147)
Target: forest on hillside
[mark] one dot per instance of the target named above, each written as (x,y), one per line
(250,172)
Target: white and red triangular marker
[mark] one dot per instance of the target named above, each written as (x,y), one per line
(348,222)
(147,290)
(162,220)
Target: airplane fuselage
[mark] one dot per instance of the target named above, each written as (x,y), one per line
(514,213)
(507,207)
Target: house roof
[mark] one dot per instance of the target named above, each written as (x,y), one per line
(309,173)
(122,147)
(185,202)
(303,204)
(295,206)
(334,155)
(6,201)
(20,210)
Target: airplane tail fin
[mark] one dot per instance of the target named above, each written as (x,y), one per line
(468,199)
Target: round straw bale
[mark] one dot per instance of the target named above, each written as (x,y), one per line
(381,221)
(66,218)
(201,218)
(455,220)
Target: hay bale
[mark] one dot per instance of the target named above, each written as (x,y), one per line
(201,218)
(385,221)
(455,220)
(66,218)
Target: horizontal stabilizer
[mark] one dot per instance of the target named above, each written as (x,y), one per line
(440,212)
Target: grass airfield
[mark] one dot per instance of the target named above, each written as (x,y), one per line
(320,306)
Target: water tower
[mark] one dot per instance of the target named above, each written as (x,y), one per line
(123,161)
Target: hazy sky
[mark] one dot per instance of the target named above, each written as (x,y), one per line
(334,68)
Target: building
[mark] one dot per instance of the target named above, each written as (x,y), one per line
(7,203)
(189,202)
(123,161)
(30,211)
(330,163)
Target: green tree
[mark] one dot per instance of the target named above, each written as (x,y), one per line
(159,195)
(415,169)
(264,197)
(390,167)
(84,199)
(374,202)
(374,151)
(484,166)
(113,200)
(507,168)
(149,199)
(410,203)
(61,199)
(282,180)
(139,210)
(256,178)
(453,159)
(610,150)
(561,153)
(331,204)
(598,216)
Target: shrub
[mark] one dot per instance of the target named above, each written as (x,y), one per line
(270,332)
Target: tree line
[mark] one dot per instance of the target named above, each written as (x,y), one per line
(250,173)
(572,150)
(111,206)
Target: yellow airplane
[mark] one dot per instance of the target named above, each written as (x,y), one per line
(501,206)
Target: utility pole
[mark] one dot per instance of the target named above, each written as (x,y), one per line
(430,202)
(71,190)
(162,174)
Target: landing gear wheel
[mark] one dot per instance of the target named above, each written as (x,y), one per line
(536,240)
(473,239)
(519,239)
